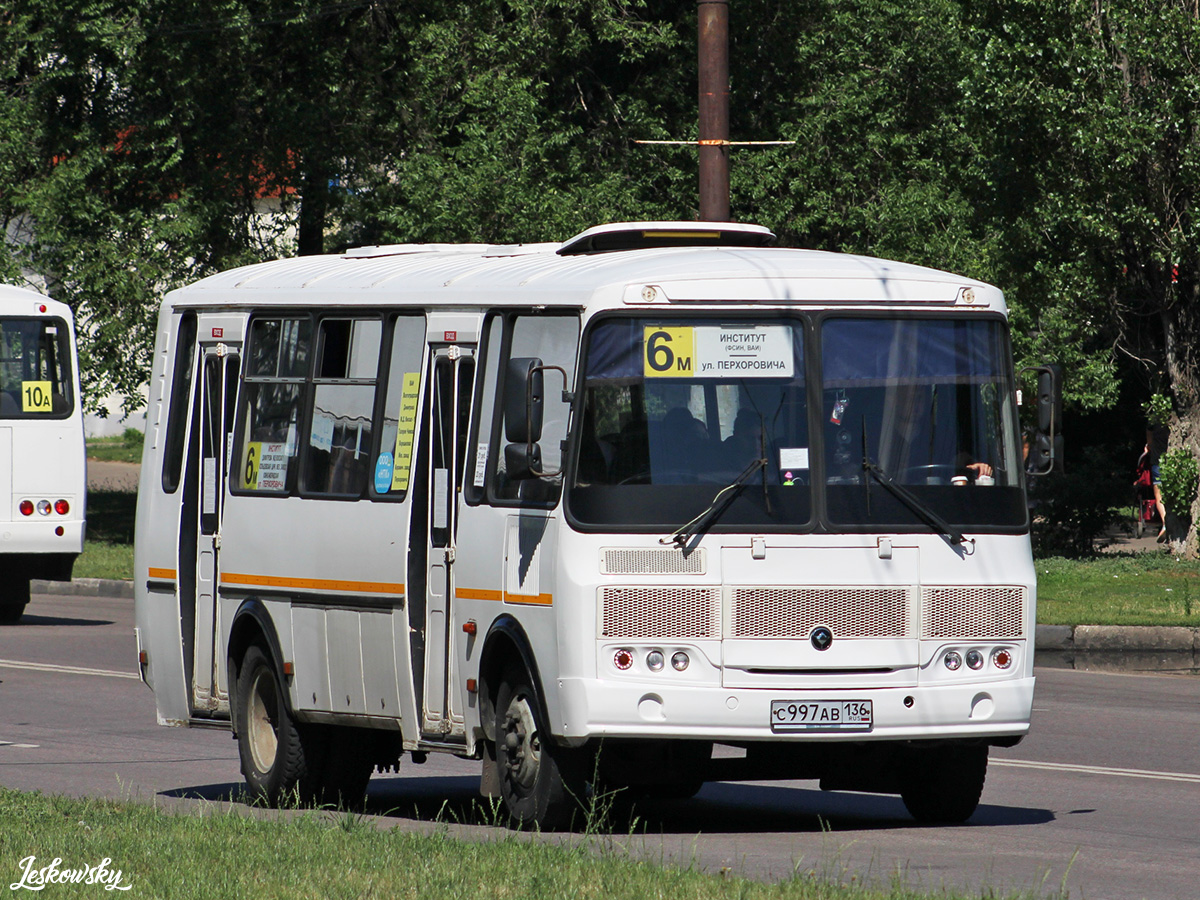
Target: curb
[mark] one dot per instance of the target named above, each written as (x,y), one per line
(84,587)
(1118,647)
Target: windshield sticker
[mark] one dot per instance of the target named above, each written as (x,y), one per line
(717,351)
(406,428)
(36,397)
(793,457)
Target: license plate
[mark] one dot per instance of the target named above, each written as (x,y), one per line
(821,715)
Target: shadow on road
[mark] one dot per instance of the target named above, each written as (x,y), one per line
(719,808)
(33,619)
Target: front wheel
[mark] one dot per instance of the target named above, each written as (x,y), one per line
(540,782)
(944,784)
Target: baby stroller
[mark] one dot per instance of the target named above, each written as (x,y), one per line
(1146,510)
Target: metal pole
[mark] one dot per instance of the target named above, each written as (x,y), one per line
(713,18)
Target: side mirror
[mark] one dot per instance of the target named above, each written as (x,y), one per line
(522,461)
(1046,449)
(524,390)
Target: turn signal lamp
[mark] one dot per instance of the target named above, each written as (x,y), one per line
(952,660)
(655,660)
(974,659)
(43,507)
(680,661)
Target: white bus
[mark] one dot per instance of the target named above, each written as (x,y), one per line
(43,460)
(584,511)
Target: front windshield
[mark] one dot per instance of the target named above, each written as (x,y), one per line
(675,409)
(930,402)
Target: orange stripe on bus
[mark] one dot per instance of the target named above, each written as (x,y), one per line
(539,599)
(478,594)
(312,584)
(162,574)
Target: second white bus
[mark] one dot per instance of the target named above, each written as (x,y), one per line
(584,511)
(43,462)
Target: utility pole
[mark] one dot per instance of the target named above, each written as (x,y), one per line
(713,20)
(714,143)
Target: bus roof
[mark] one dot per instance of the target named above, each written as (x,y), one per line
(582,272)
(20,301)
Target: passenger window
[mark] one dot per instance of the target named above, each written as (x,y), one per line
(276,368)
(343,403)
(392,463)
(181,391)
(554,340)
(485,406)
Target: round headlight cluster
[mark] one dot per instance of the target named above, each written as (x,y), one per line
(656,660)
(1002,658)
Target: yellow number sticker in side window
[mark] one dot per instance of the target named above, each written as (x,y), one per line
(36,397)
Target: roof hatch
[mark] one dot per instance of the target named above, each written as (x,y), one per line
(641,235)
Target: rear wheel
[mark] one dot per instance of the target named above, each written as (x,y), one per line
(14,597)
(944,784)
(541,784)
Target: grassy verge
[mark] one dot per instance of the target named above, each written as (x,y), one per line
(208,853)
(125,448)
(1142,589)
(108,547)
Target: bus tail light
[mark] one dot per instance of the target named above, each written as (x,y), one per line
(62,507)
(680,661)
(952,660)
(623,659)
(43,507)
(26,507)
(974,659)
(655,660)
(1002,658)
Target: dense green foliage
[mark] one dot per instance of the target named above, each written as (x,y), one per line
(1048,148)
(1179,480)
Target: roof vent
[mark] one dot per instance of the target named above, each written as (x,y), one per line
(641,235)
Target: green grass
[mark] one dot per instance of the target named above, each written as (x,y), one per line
(1140,589)
(108,546)
(125,448)
(211,853)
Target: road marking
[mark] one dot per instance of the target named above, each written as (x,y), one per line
(1099,770)
(19,746)
(70,670)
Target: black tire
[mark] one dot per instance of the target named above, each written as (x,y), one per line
(274,762)
(14,597)
(541,784)
(944,784)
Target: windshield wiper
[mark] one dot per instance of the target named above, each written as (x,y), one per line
(906,497)
(720,502)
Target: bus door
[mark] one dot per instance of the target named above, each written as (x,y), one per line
(219,368)
(448,406)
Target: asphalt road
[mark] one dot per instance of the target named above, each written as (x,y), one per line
(1103,797)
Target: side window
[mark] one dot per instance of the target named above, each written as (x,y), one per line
(554,340)
(485,408)
(181,389)
(338,443)
(273,395)
(392,464)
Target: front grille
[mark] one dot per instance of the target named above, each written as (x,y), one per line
(660,612)
(653,561)
(792,612)
(972,612)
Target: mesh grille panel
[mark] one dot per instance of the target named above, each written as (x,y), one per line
(794,612)
(667,561)
(971,612)
(660,612)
